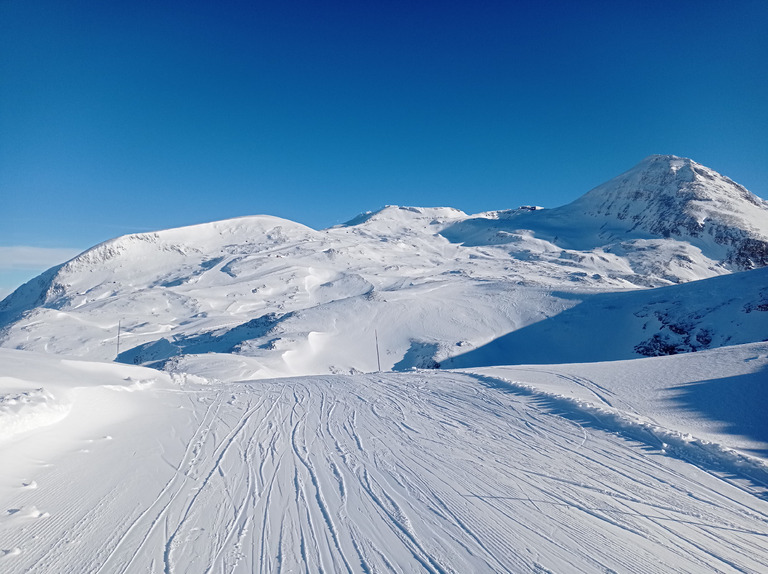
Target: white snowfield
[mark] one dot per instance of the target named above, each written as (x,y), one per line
(514,426)
(427,471)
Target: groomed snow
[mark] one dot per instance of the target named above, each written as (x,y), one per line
(427,471)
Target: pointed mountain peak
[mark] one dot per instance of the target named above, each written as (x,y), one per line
(674,197)
(674,178)
(670,168)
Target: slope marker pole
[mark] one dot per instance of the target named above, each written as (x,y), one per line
(118,339)
(378,359)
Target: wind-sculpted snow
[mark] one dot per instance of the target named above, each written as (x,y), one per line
(410,472)
(23,410)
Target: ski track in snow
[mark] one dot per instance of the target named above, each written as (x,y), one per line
(418,472)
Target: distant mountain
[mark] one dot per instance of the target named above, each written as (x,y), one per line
(271,297)
(664,197)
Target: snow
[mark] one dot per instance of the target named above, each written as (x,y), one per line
(720,395)
(422,471)
(578,389)
(662,197)
(704,314)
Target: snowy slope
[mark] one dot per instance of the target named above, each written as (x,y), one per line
(209,462)
(275,298)
(406,472)
(719,396)
(703,213)
(706,314)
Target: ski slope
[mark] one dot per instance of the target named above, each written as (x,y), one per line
(260,441)
(427,471)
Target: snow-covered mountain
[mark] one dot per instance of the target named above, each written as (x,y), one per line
(545,452)
(688,214)
(670,197)
(272,297)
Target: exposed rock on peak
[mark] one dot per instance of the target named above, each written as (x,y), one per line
(672,197)
(664,197)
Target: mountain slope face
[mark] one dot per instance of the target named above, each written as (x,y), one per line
(270,297)
(669,196)
(693,208)
(706,314)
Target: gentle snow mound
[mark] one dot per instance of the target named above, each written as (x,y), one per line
(22,411)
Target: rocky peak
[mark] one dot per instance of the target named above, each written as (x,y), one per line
(674,197)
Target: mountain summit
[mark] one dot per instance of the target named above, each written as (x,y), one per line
(670,181)
(673,197)
(665,202)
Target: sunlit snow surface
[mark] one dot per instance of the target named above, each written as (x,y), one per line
(262,440)
(523,469)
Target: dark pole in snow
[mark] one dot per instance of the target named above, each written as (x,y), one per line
(118,340)
(378,360)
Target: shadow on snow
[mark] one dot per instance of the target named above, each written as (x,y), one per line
(725,463)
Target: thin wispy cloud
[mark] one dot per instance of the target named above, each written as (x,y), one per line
(22,257)
(20,263)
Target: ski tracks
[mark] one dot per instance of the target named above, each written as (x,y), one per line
(418,472)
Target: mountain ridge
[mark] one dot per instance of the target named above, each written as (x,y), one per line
(433,282)
(662,197)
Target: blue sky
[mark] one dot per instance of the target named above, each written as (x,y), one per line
(118,117)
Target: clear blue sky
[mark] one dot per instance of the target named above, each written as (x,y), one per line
(123,116)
